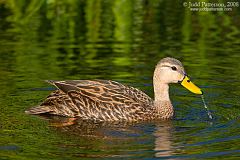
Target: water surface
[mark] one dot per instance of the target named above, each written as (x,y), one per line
(121,41)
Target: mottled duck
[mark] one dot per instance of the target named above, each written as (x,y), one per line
(106,100)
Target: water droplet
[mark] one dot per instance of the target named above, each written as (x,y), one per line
(205,106)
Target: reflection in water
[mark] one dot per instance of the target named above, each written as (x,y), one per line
(163,142)
(109,134)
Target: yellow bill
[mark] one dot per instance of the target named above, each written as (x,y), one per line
(190,86)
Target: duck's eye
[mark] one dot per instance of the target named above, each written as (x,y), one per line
(174,68)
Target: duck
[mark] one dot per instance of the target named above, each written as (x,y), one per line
(107,100)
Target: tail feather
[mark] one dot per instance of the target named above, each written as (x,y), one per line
(50,81)
(38,110)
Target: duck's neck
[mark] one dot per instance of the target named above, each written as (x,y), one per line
(162,101)
(161,88)
(161,92)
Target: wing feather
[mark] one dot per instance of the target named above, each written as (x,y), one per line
(96,99)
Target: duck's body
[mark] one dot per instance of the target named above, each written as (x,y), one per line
(101,100)
(106,100)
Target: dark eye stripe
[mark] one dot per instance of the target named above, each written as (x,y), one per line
(172,67)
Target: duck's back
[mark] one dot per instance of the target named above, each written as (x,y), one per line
(102,100)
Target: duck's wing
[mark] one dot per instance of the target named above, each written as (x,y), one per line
(99,90)
(96,100)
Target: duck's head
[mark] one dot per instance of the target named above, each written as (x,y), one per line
(170,70)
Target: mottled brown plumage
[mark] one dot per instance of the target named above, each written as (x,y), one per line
(105,100)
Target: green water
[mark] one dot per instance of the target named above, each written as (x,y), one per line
(119,40)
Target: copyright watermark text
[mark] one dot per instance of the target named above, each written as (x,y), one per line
(207,6)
